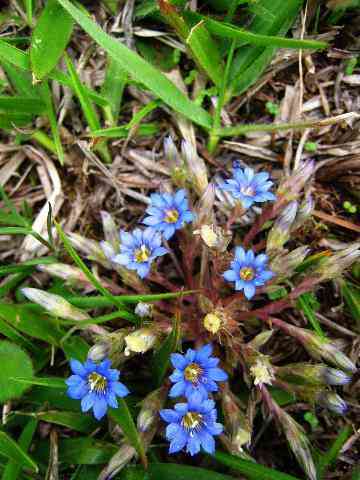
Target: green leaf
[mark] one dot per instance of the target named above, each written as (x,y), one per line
(13,360)
(250,61)
(172,471)
(147,130)
(140,70)
(226,30)
(12,450)
(49,382)
(31,322)
(13,469)
(113,88)
(49,38)
(123,417)
(305,304)
(252,470)
(332,454)
(21,105)
(351,295)
(74,420)
(161,359)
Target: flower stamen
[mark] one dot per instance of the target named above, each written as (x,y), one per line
(97,382)
(142,254)
(192,421)
(247,274)
(193,372)
(248,191)
(171,216)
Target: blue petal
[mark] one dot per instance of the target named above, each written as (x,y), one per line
(249,291)
(157,200)
(190,355)
(154,211)
(204,353)
(249,173)
(170,416)
(250,257)
(77,392)
(260,178)
(111,399)
(120,389)
(122,259)
(178,361)
(77,368)
(169,231)
(230,276)
(187,217)
(215,429)
(159,251)
(172,430)
(179,196)
(100,408)
(208,406)
(74,380)
(261,260)
(217,374)
(193,444)
(127,239)
(195,401)
(143,270)
(151,221)
(179,442)
(176,376)
(182,408)
(178,389)
(88,401)
(113,375)
(247,201)
(240,254)
(207,441)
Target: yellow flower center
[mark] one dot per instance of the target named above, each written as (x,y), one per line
(192,420)
(247,274)
(249,191)
(97,382)
(172,216)
(192,372)
(142,254)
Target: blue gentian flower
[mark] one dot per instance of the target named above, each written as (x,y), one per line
(196,371)
(248,271)
(138,250)
(168,213)
(96,385)
(249,187)
(192,425)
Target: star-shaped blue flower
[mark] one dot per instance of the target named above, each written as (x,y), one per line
(139,249)
(196,371)
(192,425)
(96,385)
(249,187)
(168,213)
(248,271)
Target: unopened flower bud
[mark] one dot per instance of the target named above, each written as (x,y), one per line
(237,424)
(285,263)
(333,266)
(66,272)
(111,232)
(196,166)
(322,348)
(280,232)
(90,248)
(204,210)
(143,309)
(212,322)
(150,407)
(118,461)
(260,339)
(336,377)
(333,402)
(99,351)
(54,304)
(214,237)
(292,185)
(140,341)
(172,154)
(305,210)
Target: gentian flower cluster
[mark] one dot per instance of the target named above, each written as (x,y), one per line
(167,213)
(193,425)
(96,385)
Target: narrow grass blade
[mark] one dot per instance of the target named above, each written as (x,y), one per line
(113,89)
(226,30)
(49,38)
(252,470)
(172,471)
(351,295)
(332,454)
(122,132)
(122,416)
(304,303)
(140,70)
(21,105)
(9,448)
(13,469)
(74,420)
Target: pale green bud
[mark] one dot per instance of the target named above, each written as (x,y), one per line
(280,232)
(54,304)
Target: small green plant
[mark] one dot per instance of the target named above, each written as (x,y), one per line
(272,108)
(310,147)
(349,207)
